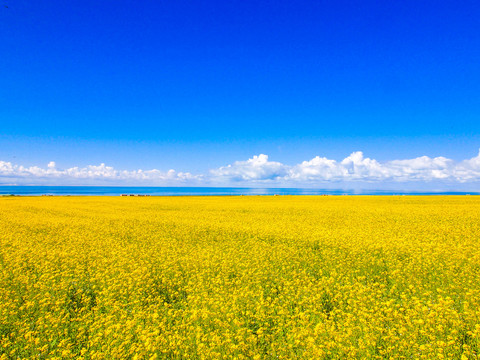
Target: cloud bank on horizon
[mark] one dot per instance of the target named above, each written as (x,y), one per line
(259,171)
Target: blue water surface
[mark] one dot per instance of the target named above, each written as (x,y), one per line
(198,191)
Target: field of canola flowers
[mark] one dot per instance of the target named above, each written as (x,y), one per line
(347,277)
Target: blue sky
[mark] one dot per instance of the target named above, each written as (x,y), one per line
(198,86)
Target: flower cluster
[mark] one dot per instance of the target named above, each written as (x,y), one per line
(240,277)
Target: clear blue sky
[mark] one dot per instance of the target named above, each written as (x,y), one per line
(195,85)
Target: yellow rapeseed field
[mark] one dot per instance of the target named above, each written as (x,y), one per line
(285,277)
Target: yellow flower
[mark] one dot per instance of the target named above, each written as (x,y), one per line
(239,277)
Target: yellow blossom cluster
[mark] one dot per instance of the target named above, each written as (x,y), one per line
(285,277)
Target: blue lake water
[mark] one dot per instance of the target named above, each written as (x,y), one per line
(199,191)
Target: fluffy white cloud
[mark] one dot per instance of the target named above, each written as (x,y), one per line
(317,168)
(355,167)
(421,168)
(92,173)
(468,170)
(258,170)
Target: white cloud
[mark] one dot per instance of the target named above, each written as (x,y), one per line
(468,170)
(317,168)
(256,168)
(90,174)
(355,168)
